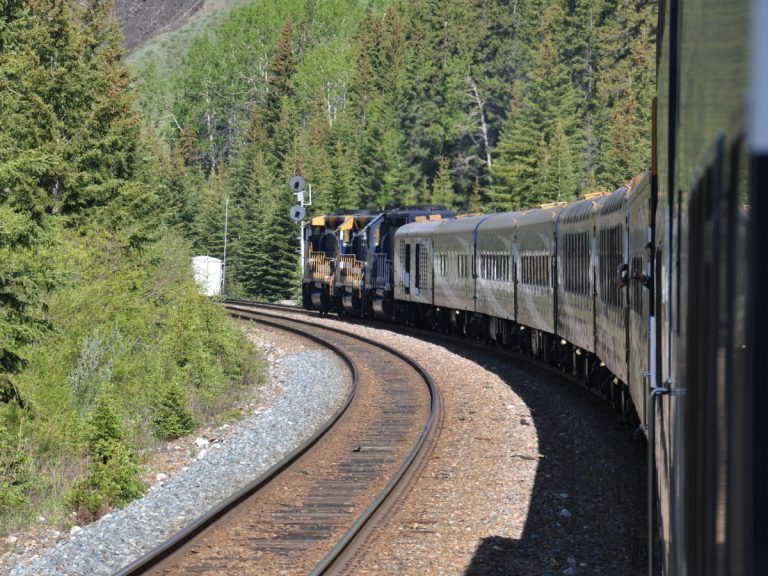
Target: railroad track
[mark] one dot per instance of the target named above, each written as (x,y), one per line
(309,514)
(465,343)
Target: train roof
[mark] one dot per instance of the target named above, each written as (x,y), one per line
(581,211)
(539,216)
(419,228)
(466,224)
(615,200)
(411,213)
(501,221)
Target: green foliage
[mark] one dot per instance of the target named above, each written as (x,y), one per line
(442,186)
(535,104)
(110,484)
(98,308)
(23,280)
(17,477)
(173,417)
(112,479)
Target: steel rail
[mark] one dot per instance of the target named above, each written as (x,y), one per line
(333,562)
(354,537)
(178,540)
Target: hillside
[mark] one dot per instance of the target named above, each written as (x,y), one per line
(142,20)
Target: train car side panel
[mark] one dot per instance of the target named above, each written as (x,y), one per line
(611,279)
(495,266)
(576,301)
(535,251)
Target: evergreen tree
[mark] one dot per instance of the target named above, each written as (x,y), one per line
(208,234)
(344,191)
(276,262)
(515,168)
(254,217)
(281,71)
(442,185)
(476,204)
(70,144)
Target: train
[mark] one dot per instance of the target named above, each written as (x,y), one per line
(649,294)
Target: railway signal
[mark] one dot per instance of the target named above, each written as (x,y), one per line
(298,211)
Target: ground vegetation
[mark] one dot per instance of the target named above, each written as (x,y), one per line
(106,346)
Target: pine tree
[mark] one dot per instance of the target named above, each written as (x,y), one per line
(254,216)
(70,144)
(625,88)
(276,262)
(476,204)
(345,191)
(514,171)
(281,71)
(442,185)
(188,150)
(208,233)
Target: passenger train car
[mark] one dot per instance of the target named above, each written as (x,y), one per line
(649,293)
(566,284)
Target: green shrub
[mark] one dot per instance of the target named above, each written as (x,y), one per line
(134,353)
(110,483)
(173,418)
(112,479)
(17,477)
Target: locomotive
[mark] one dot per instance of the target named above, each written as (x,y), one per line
(650,292)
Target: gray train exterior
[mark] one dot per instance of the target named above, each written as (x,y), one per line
(707,410)
(553,282)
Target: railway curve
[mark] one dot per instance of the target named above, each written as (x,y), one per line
(310,510)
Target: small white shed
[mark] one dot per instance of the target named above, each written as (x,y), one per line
(208,272)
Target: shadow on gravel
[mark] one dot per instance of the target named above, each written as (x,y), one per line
(587,512)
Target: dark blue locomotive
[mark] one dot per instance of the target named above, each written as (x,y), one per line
(348,260)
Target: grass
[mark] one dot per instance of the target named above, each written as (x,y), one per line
(167,49)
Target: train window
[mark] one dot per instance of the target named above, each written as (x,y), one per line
(611,254)
(418,266)
(407,268)
(494,267)
(535,270)
(636,292)
(442,265)
(462,263)
(576,262)
(424,266)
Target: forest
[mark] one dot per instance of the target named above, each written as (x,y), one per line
(115,169)
(106,347)
(481,105)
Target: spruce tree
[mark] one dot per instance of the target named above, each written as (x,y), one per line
(276,262)
(442,185)
(344,188)
(281,70)
(253,217)
(476,203)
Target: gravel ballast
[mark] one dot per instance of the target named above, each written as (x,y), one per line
(313,386)
(529,475)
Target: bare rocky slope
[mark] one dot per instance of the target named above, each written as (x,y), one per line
(142,20)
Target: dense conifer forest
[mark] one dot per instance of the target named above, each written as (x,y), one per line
(477,104)
(112,176)
(106,347)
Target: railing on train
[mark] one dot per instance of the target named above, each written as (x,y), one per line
(382,267)
(349,271)
(319,267)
